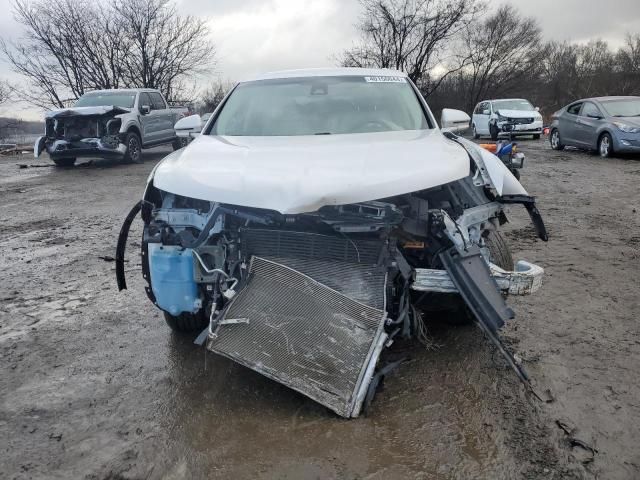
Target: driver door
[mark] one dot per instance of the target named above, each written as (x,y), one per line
(587,125)
(150,122)
(481,118)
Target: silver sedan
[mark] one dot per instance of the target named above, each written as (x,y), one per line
(607,125)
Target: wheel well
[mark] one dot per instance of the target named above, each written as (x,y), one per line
(602,134)
(134,129)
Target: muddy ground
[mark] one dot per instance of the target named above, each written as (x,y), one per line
(93,384)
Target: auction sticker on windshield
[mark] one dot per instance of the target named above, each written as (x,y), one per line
(384,79)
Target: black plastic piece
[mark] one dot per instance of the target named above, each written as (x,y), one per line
(376,380)
(122,244)
(530,204)
(471,276)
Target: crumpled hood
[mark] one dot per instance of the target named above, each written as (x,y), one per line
(518,113)
(303,173)
(84,111)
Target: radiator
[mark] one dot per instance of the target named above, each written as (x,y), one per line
(314,325)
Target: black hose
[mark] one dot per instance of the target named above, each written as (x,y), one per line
(122,244)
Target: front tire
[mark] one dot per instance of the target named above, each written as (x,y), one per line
(554,140)
(133,154)
(536,136)
(499,251)
(605,145)
(476,136)
(186,322)
(64,162)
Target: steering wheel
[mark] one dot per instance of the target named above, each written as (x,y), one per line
(375,126)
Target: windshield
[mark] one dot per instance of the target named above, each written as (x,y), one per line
(320,106)
(101,99)
(512,105)
(622,108)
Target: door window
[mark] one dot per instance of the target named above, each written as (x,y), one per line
(574,109)
(589,109)
(145,100)
(158,101)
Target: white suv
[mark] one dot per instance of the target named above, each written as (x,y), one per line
(512,116)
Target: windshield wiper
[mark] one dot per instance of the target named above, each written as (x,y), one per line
(323,133)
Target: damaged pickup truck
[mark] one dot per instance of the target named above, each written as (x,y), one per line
(110,124)
(318,216)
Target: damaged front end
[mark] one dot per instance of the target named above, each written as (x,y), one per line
(82,131)
(311,300)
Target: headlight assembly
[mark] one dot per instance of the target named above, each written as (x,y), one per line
(626,128)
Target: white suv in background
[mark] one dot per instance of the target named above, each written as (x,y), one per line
(509,116)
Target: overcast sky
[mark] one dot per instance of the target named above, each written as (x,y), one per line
(254,36)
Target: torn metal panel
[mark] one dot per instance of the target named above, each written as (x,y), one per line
(304,334)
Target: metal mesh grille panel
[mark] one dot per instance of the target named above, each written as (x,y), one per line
(302,333)
(361,282)
(284,243)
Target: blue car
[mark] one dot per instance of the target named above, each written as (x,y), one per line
(607,125)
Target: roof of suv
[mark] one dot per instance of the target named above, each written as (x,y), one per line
(505,99)
(327,72)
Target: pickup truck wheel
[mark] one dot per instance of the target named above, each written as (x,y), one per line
(64,162)
(186,322)
(133,154)
(493,130)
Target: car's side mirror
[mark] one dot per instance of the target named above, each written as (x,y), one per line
(190,126)
(145,109)
(594,115)
(454,120)
(486,112)
(537,109)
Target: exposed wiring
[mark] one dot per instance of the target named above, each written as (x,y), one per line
(215,270)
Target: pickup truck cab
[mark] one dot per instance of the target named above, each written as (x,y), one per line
(110,124)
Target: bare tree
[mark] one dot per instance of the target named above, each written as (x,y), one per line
(5,91)
(628,62)
(500,52)
(213,95)
(164,48)
(71,46)
(410,35)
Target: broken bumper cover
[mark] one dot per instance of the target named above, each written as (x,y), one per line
(524,280)
(108,147)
